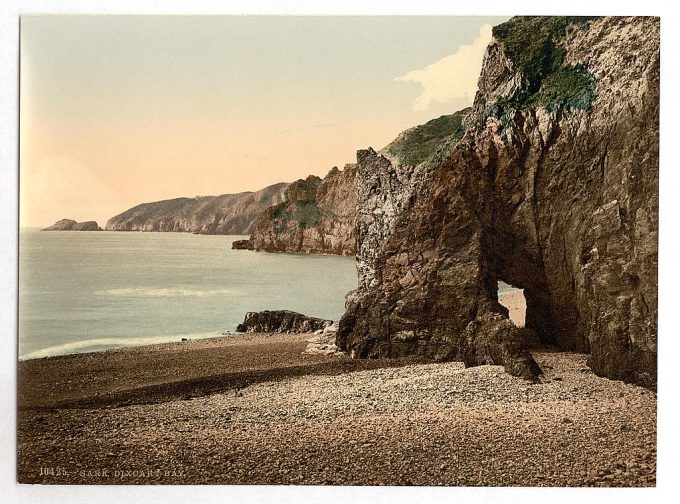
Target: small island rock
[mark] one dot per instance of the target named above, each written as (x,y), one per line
(71,225)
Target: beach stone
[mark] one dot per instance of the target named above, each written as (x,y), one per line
(333,328)
(323,344)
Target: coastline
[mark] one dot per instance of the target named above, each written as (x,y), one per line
(199,288)
(514,301)
(253,409)
(109,344)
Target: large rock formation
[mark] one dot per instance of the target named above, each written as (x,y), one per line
(317,216)
(553,189)
(225,214)
(281,321)
(71,225)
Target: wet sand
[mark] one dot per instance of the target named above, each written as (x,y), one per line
(254,409)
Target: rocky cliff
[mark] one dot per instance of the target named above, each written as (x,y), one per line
(71,225)
(388,182)
(552,188)
(317,216)
(225,214)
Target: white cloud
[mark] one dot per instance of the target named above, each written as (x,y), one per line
(453,77)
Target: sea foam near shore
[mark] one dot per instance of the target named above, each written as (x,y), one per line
(84,292)
(101,344)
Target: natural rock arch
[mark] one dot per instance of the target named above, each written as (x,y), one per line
(562,203)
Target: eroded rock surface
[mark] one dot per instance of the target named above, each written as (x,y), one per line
(323,342)
(553,189)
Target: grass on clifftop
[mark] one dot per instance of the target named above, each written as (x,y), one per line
(534,45)
(420,143)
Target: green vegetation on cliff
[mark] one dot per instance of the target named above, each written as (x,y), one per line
(419,144)
(305,212)
(570,87)
(300,205)
(534,45)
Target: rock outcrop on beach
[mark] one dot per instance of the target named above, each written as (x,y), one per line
(316,217)
(388,182)
(242,245)
(553,188)
(225,214)
(281,321)
(71,225)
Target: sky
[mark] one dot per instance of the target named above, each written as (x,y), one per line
(121,110)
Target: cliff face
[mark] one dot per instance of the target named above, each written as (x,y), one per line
(317,216)
(71,225)
(388,182)
(553,189)
(225,214)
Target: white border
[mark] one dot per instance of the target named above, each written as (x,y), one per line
(669,254)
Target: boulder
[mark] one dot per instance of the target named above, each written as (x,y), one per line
(493,339)
(323,344)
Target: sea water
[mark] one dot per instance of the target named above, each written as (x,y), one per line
(89,291)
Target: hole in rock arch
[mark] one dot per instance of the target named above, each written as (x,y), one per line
(513,299)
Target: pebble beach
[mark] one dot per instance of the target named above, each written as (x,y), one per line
(255,409)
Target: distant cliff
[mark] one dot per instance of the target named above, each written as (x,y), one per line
(71,225)
(553,188)
(225,214)
(317,216)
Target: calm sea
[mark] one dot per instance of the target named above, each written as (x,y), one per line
(89,291)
